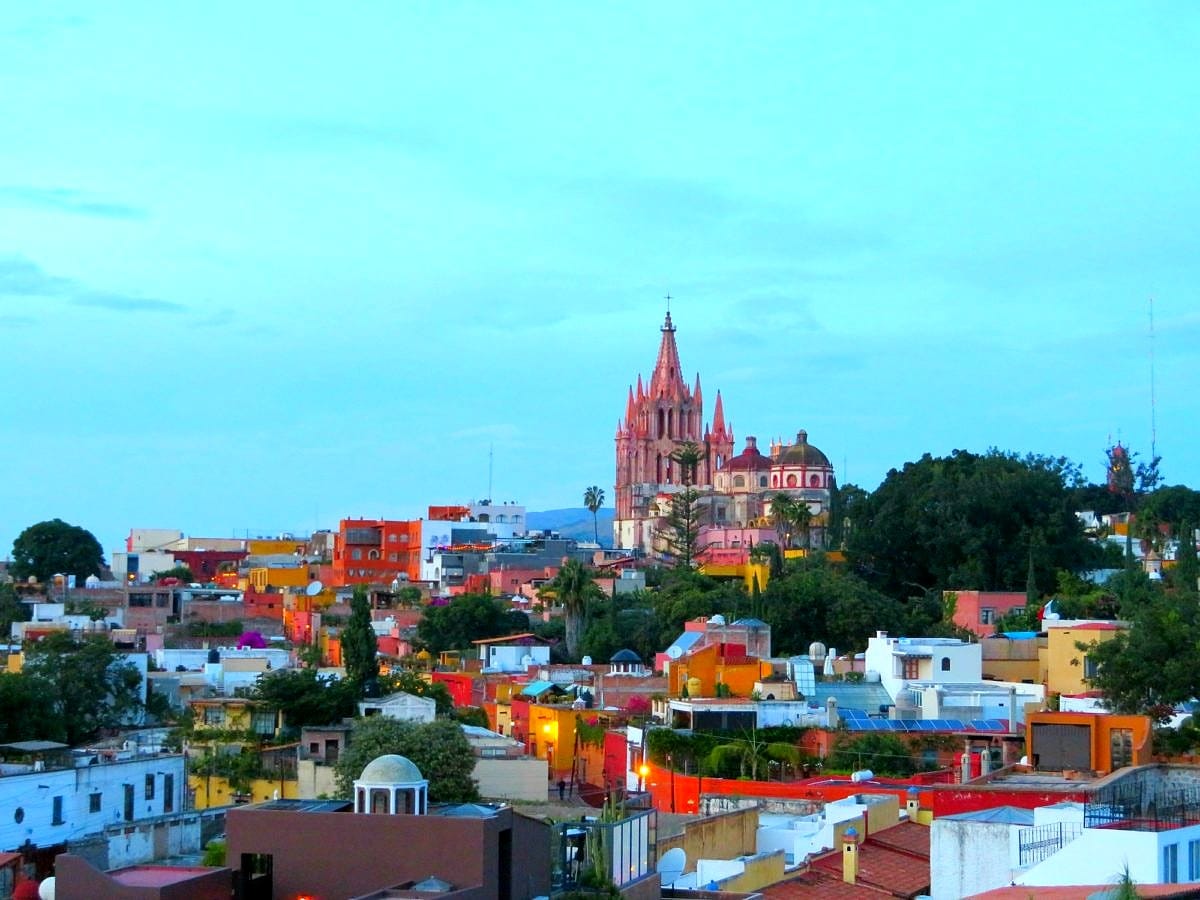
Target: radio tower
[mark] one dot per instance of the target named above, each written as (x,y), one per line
(1153,405)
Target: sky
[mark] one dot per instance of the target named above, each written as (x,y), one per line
(264,266)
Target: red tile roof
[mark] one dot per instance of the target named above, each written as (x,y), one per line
(891,863)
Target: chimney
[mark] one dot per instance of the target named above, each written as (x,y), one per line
(850,856)
(1012,710)
(912,804)
(831,712)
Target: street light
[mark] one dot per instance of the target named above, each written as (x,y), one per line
(643,771)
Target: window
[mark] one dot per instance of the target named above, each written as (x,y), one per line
(372,554)
(214,715)
(1090,667)
(987,616)
(168,793)
(392,538)
(791,481)
(58,819)
(94,802)
(393,557)
(128,802)
(762,480)
(356,553)
(912,668)
(739,480)
(1170,866)
(1193,860)
(264,722)
(945,664)
(150,786)
(814,481)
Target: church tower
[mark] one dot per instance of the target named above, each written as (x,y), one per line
(659,418)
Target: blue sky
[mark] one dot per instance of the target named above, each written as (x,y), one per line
(266,265)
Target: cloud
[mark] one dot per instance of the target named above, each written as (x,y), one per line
(16,321)
(67,200)
(217,318)
(21,277)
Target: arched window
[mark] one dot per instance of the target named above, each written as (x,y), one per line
(661,421)
(774,481)
(372,554)
(791,481)
(762,480)
(670,423)
(739,480)
(945,664)
(814,481)
(658,469)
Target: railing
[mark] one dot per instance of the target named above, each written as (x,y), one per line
(1040,842)
(1138,806)
(589,853)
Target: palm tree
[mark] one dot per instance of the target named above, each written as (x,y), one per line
(574,588)
(783,518)
(593,499)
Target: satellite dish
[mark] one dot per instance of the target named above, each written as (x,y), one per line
(674,652)
(671,865)
(314,588)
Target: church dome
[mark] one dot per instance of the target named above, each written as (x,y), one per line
(802,453)
(626,656)
(391,769)
(748,460)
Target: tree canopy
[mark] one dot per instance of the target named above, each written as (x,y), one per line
(83,686)
(970,521)
(359,646)
(439,749)
(575,588)
(593,499)
(56,548)
(467,618)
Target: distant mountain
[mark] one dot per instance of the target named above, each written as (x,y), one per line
(573,523)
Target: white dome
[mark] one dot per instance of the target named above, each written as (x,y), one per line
(391,769)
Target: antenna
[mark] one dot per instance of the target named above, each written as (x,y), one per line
(491,447)
(1153,405)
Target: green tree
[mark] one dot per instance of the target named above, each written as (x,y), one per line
(305,698)
(816,600)
(1154,665)
(439,749)
(593,499)
(681,525)
(56,548)
(884,754)
(23,715)
(575,588)
(467,618)
(84,685)
(359,647)
(846,505)
(11,610)
(1187,569)
(966,522)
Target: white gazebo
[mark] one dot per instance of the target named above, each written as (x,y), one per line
(391,785)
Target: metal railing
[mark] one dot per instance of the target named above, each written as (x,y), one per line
(1040,842)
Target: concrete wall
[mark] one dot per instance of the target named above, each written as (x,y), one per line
(1100,856)
(757,872)
(722,836)
(147,841)
(313,780)
(75,877)
(512,779)
(968,858)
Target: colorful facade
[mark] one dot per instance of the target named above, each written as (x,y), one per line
(376,551)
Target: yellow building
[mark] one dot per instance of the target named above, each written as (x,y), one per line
(1068,667)
(552,735)
(1021,659)
(262,577)
(276,547)
(215,790)
(235,714)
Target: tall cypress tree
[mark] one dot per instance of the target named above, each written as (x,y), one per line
(359,646)
(1187,568)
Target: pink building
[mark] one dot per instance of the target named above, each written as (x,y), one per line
(977,611)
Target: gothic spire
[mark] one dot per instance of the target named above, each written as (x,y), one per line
(696,393)
(718,423)
(666,380)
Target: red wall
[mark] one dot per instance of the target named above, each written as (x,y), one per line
(947,801)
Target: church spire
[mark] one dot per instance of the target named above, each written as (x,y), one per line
(718,423)
(629,407)
(696,394)
(666,380)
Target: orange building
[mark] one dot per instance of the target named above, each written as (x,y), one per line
(376,551)
(718,663)
(1096,742)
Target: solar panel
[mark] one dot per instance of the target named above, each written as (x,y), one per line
(979,724)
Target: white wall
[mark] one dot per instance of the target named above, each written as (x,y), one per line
(508,659)
(34,794)
(512,779)
(1100,856)
(968,857)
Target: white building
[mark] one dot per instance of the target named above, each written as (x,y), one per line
(56,795)
(400,705)
(514,653)
(942,678)
(1138,821)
